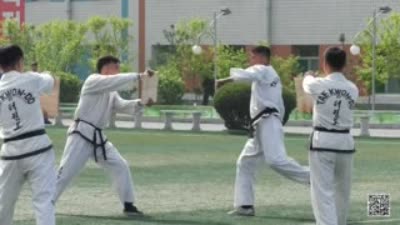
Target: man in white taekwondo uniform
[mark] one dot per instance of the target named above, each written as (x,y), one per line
(99,98)
(267,111)
(26,152)
(332,145)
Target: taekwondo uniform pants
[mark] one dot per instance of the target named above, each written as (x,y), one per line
(78,151)
(330,186)
(40,172)
(267,144)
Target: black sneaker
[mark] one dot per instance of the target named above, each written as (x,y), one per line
(241,211)
(132,211)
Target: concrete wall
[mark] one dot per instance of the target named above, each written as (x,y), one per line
(42,11)
(38,12)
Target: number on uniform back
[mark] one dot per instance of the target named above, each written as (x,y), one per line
(336,112)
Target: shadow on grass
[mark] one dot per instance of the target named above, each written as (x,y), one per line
(145,219)
(265,216)
(376,222)
(298,214)
(299,219)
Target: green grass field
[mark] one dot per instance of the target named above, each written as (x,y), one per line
(187,179)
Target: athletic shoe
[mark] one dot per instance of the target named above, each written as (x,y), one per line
(132,211)
(240,211)
(47,122)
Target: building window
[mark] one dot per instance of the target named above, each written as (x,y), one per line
(308,57)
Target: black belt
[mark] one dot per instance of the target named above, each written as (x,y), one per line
(29,154)
(266,111)
(93,141)
(323,129)
(25,135)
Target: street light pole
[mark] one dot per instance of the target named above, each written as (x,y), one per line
(196,49)
(215,57)
(373,62)
(355,50)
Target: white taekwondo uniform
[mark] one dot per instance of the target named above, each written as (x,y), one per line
(331,147)
(267,109)
(99,99)
(26,152)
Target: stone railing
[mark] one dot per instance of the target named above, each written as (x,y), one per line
(168,115)
(169,118)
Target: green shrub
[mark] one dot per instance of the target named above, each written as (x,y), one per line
(170,86)
(232,103)
(70,87)
(287,68)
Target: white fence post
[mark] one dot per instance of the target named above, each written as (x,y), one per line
(364,126)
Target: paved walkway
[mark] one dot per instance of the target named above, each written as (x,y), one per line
(386,133)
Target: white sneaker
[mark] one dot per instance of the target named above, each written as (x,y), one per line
(240,211)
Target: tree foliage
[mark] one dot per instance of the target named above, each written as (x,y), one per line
(58,46)
(181,37)
(229,57)
(109,36)
(22,35)
(171,87)
(287,68)
(387,51)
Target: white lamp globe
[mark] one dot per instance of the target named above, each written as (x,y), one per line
(355,50)
(197,50)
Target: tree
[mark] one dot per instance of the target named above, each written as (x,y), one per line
(109,36)
(387,51)
(188,33)
(56,46)
(21,35)
(170,87)
(181,37)
(229,57)
(287,68)
(59,45)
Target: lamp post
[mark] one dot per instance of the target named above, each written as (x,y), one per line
(355,50)
(196,49)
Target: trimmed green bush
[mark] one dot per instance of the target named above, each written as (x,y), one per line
(70,87)
(232,103)
(170,86)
